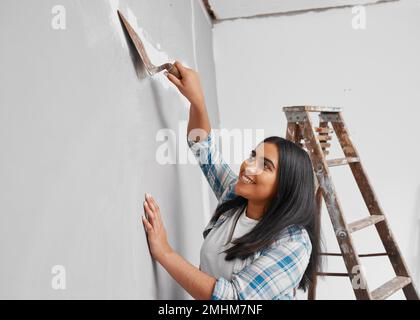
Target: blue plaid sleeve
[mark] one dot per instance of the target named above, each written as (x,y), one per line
(219,175)
(273,274)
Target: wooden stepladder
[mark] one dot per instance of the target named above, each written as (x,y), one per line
(316,141)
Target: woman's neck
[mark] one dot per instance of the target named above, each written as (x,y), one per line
(255,210)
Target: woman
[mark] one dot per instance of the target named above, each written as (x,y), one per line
(263,239)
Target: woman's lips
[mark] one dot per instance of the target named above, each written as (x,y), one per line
(246,179)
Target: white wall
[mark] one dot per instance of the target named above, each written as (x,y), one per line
(78,124)
(373,74)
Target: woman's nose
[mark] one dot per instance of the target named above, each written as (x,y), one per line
(252,168)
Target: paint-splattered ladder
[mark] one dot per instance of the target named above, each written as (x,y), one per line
(316,141)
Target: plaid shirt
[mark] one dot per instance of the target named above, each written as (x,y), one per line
(270,274)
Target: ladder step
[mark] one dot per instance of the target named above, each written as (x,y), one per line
(364,255)
(311,109)
(332,274)
(342,161)
(365,222)
(324,138)
(390,288)
(324,130)
(325,145)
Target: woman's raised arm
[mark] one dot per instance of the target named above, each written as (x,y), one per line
(199,136)
(189,85)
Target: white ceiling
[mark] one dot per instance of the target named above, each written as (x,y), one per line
(228,9)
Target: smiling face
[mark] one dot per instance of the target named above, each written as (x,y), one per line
(258,174)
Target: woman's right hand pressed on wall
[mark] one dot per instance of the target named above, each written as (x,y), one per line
(189,84)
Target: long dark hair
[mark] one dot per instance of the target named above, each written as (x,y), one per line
(293,204)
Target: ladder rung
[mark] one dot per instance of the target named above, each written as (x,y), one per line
(332,274)
(367,255)
(324,130)
(342,161)
(325,145)
(324,138)
(365,222)
(390,287)
(363,255)
(311,109)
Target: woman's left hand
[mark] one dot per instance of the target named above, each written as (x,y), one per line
(156,233)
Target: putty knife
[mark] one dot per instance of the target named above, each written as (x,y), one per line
(150,67)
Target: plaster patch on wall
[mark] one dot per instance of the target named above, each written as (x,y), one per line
(155,54)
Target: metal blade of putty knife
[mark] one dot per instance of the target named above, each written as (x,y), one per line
(150,67)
